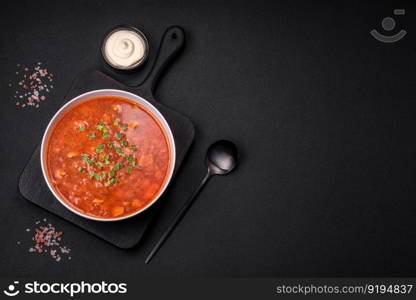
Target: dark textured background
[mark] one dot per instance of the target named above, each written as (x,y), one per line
(324,116)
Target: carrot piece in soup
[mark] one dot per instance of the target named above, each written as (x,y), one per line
(117,211)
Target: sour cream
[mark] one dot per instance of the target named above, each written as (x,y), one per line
(125,48)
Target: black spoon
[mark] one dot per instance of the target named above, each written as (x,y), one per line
(221,159)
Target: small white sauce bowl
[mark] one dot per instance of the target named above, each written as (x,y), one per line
(136,31)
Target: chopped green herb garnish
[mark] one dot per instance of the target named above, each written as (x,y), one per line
(118,166)
(104,166)
(100,148)
(111,181)
(100,126)
(91,161)
(92,136)
(104,130)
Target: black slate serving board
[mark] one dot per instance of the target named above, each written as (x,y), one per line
(124,234)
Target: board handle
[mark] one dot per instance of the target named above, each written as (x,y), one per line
(172,42)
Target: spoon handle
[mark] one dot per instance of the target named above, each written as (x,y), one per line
(178,217)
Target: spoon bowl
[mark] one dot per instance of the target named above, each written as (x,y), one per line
(222,157)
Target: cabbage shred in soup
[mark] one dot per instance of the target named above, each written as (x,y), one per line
(108,157)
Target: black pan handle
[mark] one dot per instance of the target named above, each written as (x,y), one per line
(172,42)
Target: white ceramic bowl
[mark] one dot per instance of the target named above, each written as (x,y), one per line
(100,93)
